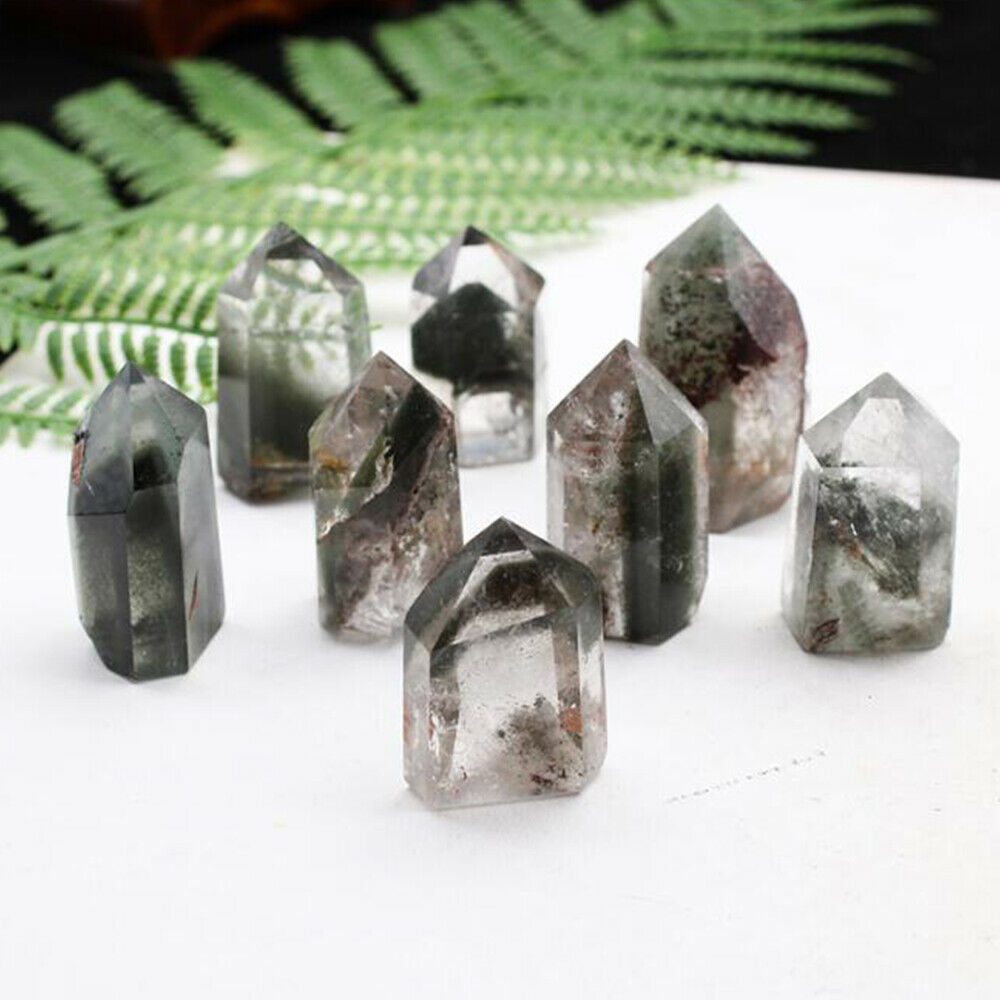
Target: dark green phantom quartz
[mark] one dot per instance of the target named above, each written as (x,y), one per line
(143,528)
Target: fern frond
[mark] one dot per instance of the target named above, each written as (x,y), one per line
(661,40)
(338,81)
(806,76)
(244,110)
(507,42)
(140,140)
(29,407)
(434,60)
(531,116)
(572,25)
(767,17)
(61,189)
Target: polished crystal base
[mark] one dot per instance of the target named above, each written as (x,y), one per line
(143,528)
(504,675)
(869,560)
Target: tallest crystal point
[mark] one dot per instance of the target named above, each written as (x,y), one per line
(293,333)
(723,328)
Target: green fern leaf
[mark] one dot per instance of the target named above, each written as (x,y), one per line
(30,407)
(61,189)
(531,117)
(244,110)
(139,139)
(338,81)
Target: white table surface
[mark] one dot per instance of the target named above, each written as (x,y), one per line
(768,824)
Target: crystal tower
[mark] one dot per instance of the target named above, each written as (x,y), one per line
(293,333)
(723,328)
(476,343)
(628,494)
(869,561)
(385,490)
(504,674)
(143,528)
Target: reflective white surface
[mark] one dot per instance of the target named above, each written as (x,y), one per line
(768,823)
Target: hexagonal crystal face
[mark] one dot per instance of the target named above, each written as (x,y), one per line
(628,493)
(504,675)
(143,528)
(869,559)
(385,489)
(475,342)
(721,325)
(293,333)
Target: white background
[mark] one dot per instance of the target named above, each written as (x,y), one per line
(768,824)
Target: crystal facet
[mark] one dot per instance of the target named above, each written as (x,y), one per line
(721,325)
(869,561)
(475,340)
(628,493)
(293,333)
(143,529)
(504,674)
(385,489)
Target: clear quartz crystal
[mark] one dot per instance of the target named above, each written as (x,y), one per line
(385,489)
(504,674)
(143,529)
(293,333)
(628,493)
(476,342)
(723,327)
(869,559)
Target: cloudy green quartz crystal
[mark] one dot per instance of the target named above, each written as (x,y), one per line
(385,489)
(869,561)
(143,528)
(722,327)
(293,333)
(476,343)
(628,494)
(504,674)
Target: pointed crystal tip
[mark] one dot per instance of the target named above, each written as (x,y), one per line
(473,256)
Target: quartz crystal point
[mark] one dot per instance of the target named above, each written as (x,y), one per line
(385,488)
(475,341)
(143,529)
(293,333)
(628,493)
(869,561)
(504,674)
(721,325)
